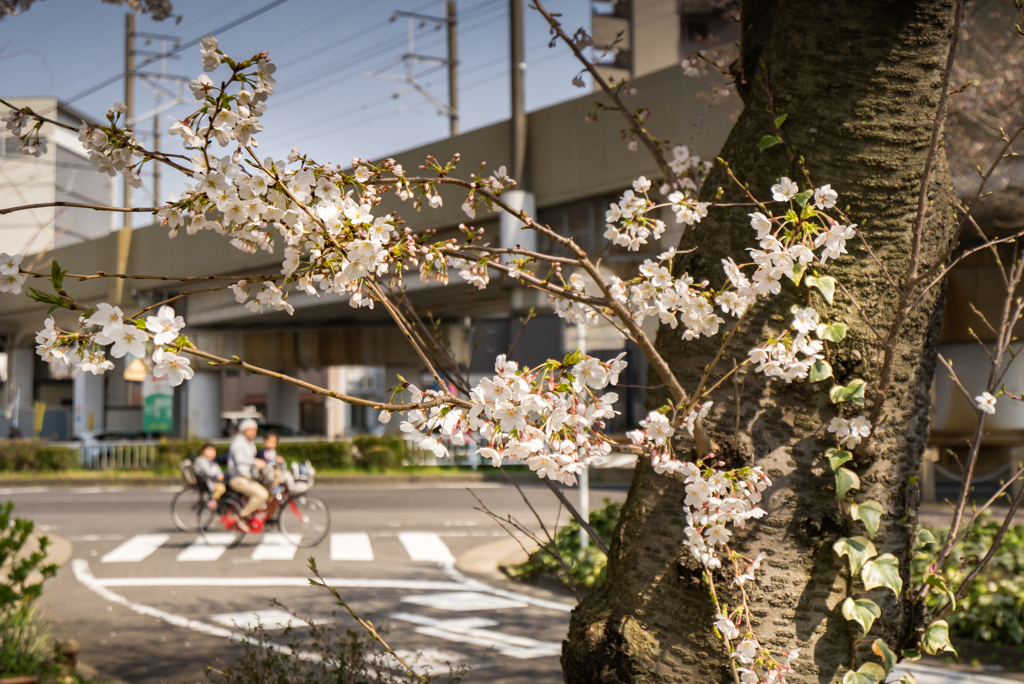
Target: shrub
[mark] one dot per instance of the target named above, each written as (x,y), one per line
(587,565)
(32,454)
(331,455)
(378,454)
(992,609)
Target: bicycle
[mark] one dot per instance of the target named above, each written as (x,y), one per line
(303,519)
(190,501)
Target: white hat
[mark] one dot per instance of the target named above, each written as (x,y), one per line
(247,424)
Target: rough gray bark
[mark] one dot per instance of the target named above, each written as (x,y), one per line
(860,82)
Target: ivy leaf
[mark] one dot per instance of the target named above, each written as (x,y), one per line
(826,285)
(857,550)
(769,140)
(834,332)
(845,481)
(797,273)
(861,676)
(853,391)
(939,582)
(883,571)
(863,612)
(869,513)
(801,199)
(821,370)
(910,654)
(882,650)
(936,638)
(837,457)
(780,120)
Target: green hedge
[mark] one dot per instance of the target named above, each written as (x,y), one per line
(992,610)
(34,455)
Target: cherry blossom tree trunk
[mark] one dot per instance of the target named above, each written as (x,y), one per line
(860,83)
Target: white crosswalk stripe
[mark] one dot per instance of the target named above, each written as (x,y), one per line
(135,549)
(351,546)
(275,546)
(425,546)
(344,546)
(199,550)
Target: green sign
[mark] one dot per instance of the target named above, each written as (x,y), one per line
(157,405)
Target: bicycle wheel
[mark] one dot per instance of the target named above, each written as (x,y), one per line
(185,507)
(305,520)
(212,530)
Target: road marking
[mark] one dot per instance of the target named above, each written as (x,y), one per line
(477,585)
(84,575)
(435,661)
(7,491)
(425,546)
(351,546)
(269,619)
(471,631)
(199,550)
(135,549)
(463,600)
(94,490)
(242,582)
(275,546)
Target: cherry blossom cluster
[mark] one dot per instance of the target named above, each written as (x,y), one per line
(31,143)
(791,357)
(850,432)
(113,150)
(11,278)
(106,326)
(627,222)
(754,663)
(549,417)
(656,292)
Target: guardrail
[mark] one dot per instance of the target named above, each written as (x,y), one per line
(118,455)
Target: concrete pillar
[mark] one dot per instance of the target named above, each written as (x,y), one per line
(931,457)
(283,403)
(203,404)
(337,411)
(20,367)
(89,399)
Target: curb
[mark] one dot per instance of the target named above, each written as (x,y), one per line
(609,477)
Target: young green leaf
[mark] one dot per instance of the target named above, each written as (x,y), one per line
(57,276)
(909,678)
(845,481)
(853,391)
(797,273)
(802,197)
(857,551)
(821,370)
(882,650)
(837,457)
(826,285)
(869,513)
(883,571)
(834,332)
(936,638)
(861,611)
(939,583)
(780,120)
(769,140)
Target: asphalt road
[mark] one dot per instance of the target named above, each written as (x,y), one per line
(150,604)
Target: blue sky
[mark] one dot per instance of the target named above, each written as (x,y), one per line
(323,103)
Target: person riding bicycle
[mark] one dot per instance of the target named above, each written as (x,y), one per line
(211,474)
(275,463)
(241,462)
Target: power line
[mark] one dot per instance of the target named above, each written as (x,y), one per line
(183,46)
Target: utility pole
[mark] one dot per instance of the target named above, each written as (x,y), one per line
(518,136)
(156,146)
(453,68)
(124,238)
(410,58)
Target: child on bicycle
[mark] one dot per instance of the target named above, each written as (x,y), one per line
(211,474)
